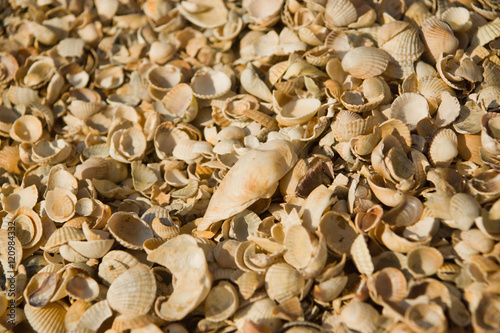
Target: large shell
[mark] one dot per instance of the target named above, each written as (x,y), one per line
(410,108)
(443,148)
(133,292)
(365,62)
(48,319)
(27,129)
(283,282)
(254,176)
(206,14)
(438,37)
(424,261)
(340,13)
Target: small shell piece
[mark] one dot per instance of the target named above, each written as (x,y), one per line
(222,302)
(283,282)
(426,317)
(359,316)
(183,257)
(388,285)
(27,197)
(210,84)
(133,292)
(298,112)
(60,204)
(361,256)
(425,261)
(205,14)
(28,227)
(410,108)
(365,62)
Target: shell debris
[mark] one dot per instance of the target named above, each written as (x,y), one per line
(250,165)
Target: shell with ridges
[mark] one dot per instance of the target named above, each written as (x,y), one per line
(365,62)
(443,148)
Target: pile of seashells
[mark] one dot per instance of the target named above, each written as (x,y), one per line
(251,166)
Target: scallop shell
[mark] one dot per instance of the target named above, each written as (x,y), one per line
(249,282)
(82,287)
(410,108)
(423,317)
(164,78)
(283,282)
(129,230)
(94,316)
(338,233)
(340,13)
(28,227)
(23,96)
(253,85)
(92,249)
(424,261)
(27,197)
(465,209)
(477,240)
(51,152)
(48,319)
(128,145)
(438,37)
(210,84)
(39,73)
(133,292)
(361,256)
(60,204)
(205,14)
(181,102)
(405,214)
(443,148)
(26,129)
(222,302)
(298,112)
(405,46)
(161,52)
(360,316)
(9,159)
(349,125)
(388,285)
(365,62)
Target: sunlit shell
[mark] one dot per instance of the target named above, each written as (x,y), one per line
(298,111)
(205,14)
(424,316)
(438,37)
(26,129)
(424,261)
(361,256)
(109,77)
(388,284)
(133,292)
(360,316)
(283,282)
(338,233)
(328,290)
(405,46)
(410,108)
(477,240)
(443,148)
(60,204)
(239,188)
(405,214)
(51,152)
(187,262)
(129,230)
(102,168)
(222,302)
(82,287)
(340,13)
(181,103)
(39,73)
(260,313)
(28,227)
(465,209)
(365,62)
(49,318)
(94,316)
(253,85)
(9,159)
(92,249)
(210,84)
(349,125)
(23,197)
(128,145)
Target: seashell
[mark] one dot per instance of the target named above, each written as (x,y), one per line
(365,62)
(136,300)
(92,249)
(101,168)
(443,148)
(70,47)
(387,196)
(208,14)
(51,152)
(328,290)
(231,28)
(129,230)
(424,261)
(298,112)
(259,313)
(339,13)
(161,52)
(210,84)
(249,282)
(26,129)
(405,46)
(181,103)
(262,11)
(448,110)
(234,194)
(467,210)
(27,197)
(477,240)
(397,243)
(164,78)
(38,74)
(410,108)
(222,302)
(28,227)
(128,145)
(361,256)
(60,204)
(405,214)
(186,261)
(423,317)
(49,318)
(438,37)
(95,316)
(9,159)
(360,316)
(110,77)
(283,282)
(388,285)
(349,125)
(252,83)
(23,96)
(82,287)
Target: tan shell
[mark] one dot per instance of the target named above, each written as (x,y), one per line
(443,148)
(94,316)
(236,193)
(129,230)
(133,292)
(405,46)
(349,125)
(360,316)
(338,233)
(410,108)
(110,77)
(60,204)
(210,84)
(361,256)
(181,103)
(164,78)
(222,302)
(423,317)
(27,129)
(92,249)
(438,37)
(365,62)
(23,197)
(298,112)
(39,73)
(206,14)
(424,261)
(49,319)
(28,227)
(82,287)
(340,13)
(388,285)
(186,261)
(128,145)
(51,152)
(283,282)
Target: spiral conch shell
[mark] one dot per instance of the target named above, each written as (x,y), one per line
(254,176)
